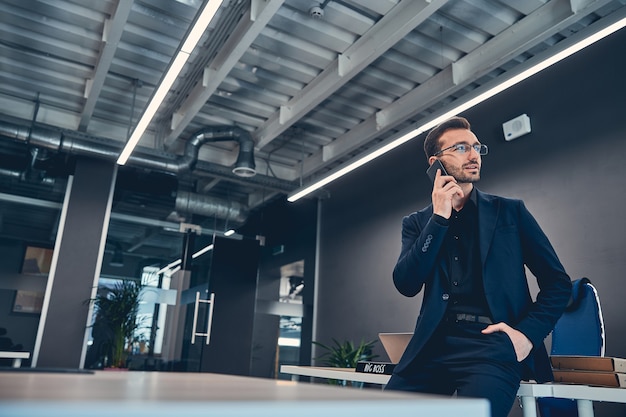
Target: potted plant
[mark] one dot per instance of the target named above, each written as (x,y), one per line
(346,355)
(115,322)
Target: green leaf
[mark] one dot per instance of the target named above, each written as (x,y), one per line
(346,354)
(116,310)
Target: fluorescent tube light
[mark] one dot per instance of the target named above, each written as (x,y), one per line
(171,265)
(288,341)
(469,103)
(229,232)
(202,251)
(177,262)
(176,66)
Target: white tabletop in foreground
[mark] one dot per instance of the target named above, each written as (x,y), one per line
(156,394)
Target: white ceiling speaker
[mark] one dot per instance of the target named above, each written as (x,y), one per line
(517,127)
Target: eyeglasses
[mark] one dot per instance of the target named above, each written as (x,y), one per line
(464,147)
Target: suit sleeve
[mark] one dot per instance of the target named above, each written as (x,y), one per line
(554,283)
(418,256)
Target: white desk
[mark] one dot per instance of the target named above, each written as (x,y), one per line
(16,356)
(165,394)
(584,395)
(528,392)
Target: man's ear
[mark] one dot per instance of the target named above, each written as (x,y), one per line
(431,160)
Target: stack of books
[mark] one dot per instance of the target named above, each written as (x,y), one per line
(590,370)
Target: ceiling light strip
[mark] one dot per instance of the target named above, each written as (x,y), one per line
(176,66)
(202,251)
(177,262)
(169,266)
(471,102)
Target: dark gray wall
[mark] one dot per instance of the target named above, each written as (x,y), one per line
(570,172)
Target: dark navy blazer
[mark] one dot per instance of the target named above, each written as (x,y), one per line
(509,239)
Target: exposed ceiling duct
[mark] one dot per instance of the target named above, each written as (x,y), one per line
(208,206)
(244,167)
(10,173)
(75,143)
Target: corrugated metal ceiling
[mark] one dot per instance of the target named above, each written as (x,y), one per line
(312,92)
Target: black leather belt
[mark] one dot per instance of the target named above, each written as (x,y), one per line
(472,318)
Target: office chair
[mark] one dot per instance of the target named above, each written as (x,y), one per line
(579,331)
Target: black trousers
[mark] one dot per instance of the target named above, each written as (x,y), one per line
(460,359)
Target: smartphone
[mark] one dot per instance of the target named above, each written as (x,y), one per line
(432,170)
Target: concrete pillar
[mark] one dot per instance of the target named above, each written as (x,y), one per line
(76,264)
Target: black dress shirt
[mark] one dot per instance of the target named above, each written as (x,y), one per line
(463,265)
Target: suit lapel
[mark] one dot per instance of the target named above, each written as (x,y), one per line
(488,210)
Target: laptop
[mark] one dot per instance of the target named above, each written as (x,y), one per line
(395,344)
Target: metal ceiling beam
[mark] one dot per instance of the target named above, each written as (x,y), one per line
(255,20)
(551,18)
(532,30)
(113,30)
(394,26)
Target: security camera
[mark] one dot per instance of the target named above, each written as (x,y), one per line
(316,12)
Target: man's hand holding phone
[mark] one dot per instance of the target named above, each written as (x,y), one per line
(444,189)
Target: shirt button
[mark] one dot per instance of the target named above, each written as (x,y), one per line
(456,258)
(456,238)
(455,283)
(445,297)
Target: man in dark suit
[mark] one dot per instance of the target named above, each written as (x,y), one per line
(479,332)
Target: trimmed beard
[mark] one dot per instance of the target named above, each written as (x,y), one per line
(461,177)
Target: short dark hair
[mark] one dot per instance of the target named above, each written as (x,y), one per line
(431,143)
